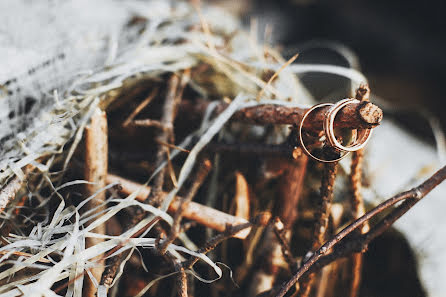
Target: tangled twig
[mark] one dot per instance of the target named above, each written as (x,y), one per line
(327,254)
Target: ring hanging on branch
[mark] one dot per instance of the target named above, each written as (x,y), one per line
(341,146)
(363,134)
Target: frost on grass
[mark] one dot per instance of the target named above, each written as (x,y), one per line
(83,55)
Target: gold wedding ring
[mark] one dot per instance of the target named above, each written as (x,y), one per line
(302,144)
(360,137)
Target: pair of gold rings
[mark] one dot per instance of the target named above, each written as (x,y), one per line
(359,137)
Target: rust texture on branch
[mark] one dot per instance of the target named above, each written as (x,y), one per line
(261,219)
(197,212)
(356,116)
(337,247)
(179,213)
(275,249)
(357,203)
(322,217)
(165,135)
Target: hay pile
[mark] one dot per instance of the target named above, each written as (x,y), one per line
(109,54)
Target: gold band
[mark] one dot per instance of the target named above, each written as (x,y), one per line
(360,139)
(302,144)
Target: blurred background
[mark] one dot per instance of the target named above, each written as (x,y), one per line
(400,47)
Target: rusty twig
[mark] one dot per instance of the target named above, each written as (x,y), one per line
(140,107)
(165,135)
(280,231)
(357,204)
(327,254)
(261,219)
(95,171)
(193,211)
(173,97)
(322,216)
(275,248)
(176,226)
(181,281)
(354,116)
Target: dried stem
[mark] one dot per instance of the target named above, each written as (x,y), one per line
(355,116)
(173,97)
(261,219)
(322,216)
(140,107)
(176,226)
(279,230)
(165,135)
(358,210)
(196,212)
(275,247)
(357,244)
(290,188)
(95,171)
(181,281)
(357,204)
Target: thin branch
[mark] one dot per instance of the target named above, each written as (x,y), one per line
(356,116)
(262,219)
(412,197)
(204,215)
(279,230)
(176,226)
(181,281)
(173,97)
(322,216)
(95,171)
(165,135)
(140,107)
(357,203)
(275,248)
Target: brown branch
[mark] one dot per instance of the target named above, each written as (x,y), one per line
(140,107)
(357,204)
(176,226)
(358,210)
(322,216)
(291,184)
(165,135)
(172,99)
(275,248)
(354,245)
(197,212)
(262,219)
(279,230)
(181,281)
(356,116)
(95,171)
